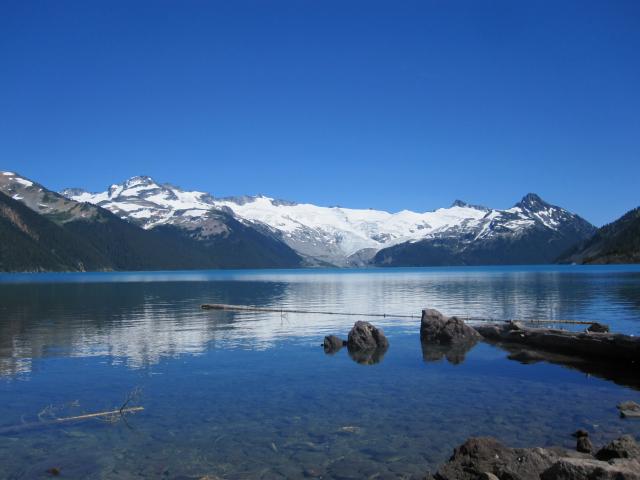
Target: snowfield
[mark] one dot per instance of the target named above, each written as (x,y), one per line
(326,234)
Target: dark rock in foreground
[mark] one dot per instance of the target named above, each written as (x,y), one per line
(597,346)
(364,336)
(438,329)
(333,344)
(486,458)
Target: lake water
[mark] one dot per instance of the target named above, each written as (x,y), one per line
(253,395)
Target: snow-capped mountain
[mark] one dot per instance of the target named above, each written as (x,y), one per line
(334,235)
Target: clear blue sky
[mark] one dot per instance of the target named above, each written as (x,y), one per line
(389,105)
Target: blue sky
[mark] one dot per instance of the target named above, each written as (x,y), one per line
(386,105)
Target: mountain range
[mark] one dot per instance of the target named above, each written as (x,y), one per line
(143,224)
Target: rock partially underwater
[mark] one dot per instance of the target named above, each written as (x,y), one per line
(366,343)
(445,337)
(333,344)
(439,329)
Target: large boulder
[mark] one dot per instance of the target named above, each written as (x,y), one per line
(590,469)
(485,457)
(623,447)
(480,456)
(364,336)
(439,329)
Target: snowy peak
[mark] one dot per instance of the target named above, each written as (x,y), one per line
(533,203)
(324,235)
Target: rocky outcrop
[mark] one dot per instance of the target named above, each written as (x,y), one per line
(597,346)
(439,329)
(486,458)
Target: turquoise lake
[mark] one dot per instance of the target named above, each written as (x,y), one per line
(253,395)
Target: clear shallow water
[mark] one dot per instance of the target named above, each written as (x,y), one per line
(252,395)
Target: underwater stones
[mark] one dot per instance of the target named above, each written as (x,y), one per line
(333,344)
(439,329)
(364,336)
(629,409)
(623,447)
(596,327)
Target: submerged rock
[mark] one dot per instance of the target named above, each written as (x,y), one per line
(439,329)
(364,336)
(629,409)
(332,344)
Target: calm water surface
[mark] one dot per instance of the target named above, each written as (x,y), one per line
(252,395)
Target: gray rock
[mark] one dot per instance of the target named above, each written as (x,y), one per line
(332,344)
(438,329)
(590,469)
(584,445)
(484,455)
(596,327)
(486,458)
(364,336)
(629,409)
(623,447)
